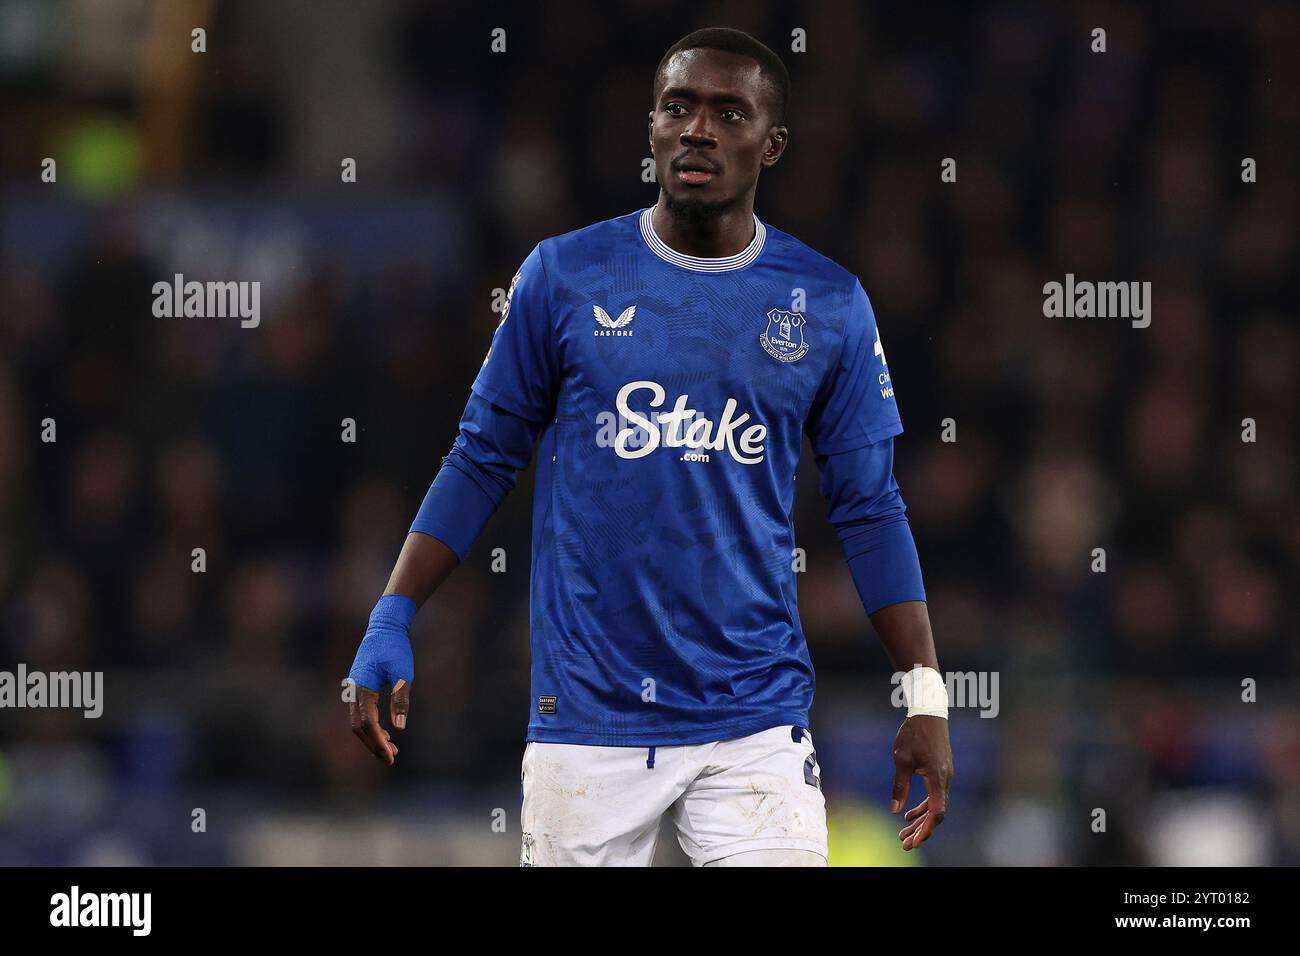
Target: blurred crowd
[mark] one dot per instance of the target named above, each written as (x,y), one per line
(1121,689)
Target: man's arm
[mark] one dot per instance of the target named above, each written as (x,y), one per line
(493,446)
(424,563)
(512,396)
(870,520)
(904,632)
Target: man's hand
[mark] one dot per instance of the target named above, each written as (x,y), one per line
(384,659)
(364,714)
(922,747)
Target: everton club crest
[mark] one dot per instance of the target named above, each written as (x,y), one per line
(783,337)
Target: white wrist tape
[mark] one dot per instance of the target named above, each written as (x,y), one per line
(925,693)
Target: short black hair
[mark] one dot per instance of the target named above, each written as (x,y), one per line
(736,41)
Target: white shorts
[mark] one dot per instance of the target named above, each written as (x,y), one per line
(602,806)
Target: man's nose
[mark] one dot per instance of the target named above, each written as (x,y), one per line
(699,132)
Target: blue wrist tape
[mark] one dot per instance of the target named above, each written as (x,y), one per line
(384,656)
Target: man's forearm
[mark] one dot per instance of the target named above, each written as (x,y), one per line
(904,631)
(425,562)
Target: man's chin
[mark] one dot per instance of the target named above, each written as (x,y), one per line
(691,209)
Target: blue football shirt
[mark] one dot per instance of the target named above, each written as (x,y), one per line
(672,394)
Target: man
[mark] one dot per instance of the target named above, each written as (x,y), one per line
(670,362)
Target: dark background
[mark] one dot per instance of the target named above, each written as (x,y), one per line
(1119,690)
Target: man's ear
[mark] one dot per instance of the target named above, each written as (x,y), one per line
(778,139)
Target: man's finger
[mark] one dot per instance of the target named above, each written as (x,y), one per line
(936,789)
(367,733)
(928,823)
(908,834)
(902,783)
(382,747)
(380,744)
(920,830)
(364,713)
(911,828)
(399,704)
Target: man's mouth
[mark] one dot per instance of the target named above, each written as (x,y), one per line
(695,173)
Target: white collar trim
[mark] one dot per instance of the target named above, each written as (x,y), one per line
(700,263)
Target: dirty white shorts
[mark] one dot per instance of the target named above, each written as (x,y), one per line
(601,806)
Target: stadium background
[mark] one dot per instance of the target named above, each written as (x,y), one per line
(1119,691)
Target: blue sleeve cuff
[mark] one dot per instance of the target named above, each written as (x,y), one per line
(883,561)
(455,509)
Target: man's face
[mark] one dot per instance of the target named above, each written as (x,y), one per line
(711,131)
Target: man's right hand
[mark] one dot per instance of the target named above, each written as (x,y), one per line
(384,659)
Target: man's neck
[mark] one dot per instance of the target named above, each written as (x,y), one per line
(716,237)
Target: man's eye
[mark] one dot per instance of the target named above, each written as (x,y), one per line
(735,113)
(674,106)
